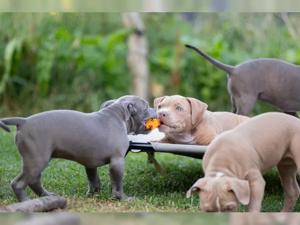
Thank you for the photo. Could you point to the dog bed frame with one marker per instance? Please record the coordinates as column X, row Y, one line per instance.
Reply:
column 194, row 151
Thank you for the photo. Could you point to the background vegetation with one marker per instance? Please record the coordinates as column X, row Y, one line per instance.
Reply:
column 77, row 60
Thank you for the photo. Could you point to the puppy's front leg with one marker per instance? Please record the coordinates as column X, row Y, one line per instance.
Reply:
column 257, row 189
column 116, row 171
column 288, row 176
column 94, row 181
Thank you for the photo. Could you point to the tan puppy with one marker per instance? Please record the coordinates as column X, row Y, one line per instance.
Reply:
column 235, row 160
column 187, row 120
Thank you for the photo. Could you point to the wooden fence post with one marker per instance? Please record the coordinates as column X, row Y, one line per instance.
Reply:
column 137, row 54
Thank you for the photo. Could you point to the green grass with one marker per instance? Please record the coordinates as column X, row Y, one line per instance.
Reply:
column 153, row 192
column 132, row 218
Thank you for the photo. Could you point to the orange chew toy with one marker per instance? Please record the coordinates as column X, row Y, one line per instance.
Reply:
column 152, row 123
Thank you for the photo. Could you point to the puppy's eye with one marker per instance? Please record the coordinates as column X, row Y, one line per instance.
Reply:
column 159, row 106
column 179, row 108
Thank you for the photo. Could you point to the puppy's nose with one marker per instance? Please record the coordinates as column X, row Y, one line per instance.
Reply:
column 162, row 114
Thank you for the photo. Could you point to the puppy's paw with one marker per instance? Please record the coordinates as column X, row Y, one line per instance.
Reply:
column 47, row 193
column 129, row 199
column 123, row 197
column 93, row 192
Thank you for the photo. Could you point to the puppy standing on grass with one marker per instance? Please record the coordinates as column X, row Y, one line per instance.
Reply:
column 91, row 139
column 235, row 161
column 186, row 120
column 271, row 80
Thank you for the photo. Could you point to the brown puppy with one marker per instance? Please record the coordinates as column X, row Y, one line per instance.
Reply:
column 187, row 121
column 235, row 160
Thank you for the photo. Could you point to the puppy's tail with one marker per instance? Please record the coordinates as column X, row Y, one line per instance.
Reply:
column 222, row 66
column 14, row 121
column 3, row 126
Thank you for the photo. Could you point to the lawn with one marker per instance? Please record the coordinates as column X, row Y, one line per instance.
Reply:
column 129, row 218
column 153, row 192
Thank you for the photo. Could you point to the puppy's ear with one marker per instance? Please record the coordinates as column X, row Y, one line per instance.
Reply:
column 157, row 101
column 131, row 108
column 196, row 187
column 197, row 110
column 241, row 189
column 107, row 103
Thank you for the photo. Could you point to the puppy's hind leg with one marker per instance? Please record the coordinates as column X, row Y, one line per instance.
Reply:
column 30, row 176
column 18, row 185
column 33, row 164
column 288, row 172
column 37, row 187
column 94, row 181
column 34, row 171
column 20, row 182
column 233, row 104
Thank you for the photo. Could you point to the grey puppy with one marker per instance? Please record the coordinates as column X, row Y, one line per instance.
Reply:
column 270, row 80
column 151, row 156
column 91, row 139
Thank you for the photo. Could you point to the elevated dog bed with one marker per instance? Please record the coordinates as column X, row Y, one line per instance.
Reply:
column 194, row 151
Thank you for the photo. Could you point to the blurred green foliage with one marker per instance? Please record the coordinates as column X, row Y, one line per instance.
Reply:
column 78, row 60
